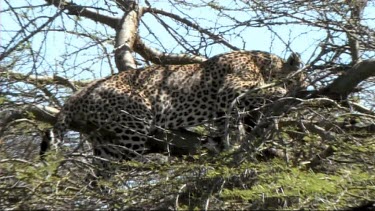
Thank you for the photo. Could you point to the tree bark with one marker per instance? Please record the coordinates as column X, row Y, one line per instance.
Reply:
column 158, row 57
column 40, row 113
column 347, row 82
column 356, row 11
column 41, row 80
column 126, row 34
column 138, row 45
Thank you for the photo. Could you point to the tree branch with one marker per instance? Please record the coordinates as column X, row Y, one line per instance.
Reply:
column 159, row 57
column 38, row 112
column 137, row 45
column 356, row 10
column 126, row 35
column 347, row 82
column 185, row 21
column 50, row 20
column 74, row 9
column 42, row 80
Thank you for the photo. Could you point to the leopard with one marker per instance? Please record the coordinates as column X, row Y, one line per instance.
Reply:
column 120, row 112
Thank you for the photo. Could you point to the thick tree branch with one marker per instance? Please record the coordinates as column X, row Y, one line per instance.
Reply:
column 74, row 9
column 126, row 35
column 136, row 43
column 347, row 82
column 159, row 57
column 37, row 112
column 42, row 80
column 356, row 11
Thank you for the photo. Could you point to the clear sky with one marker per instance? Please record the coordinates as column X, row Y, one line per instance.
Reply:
column 304, row 39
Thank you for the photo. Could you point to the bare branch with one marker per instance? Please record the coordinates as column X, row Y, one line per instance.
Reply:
column 361, row 109
column 126, row 35
column 211, row 35
column 74, row 9
column 159, row 57
column 42, row 80
column 18, row 160
column 50, row 20
column 146, row 52
column 356, row 10
column 38, row 112
column 347, row 82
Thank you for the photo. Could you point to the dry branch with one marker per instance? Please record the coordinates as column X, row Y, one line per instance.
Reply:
column 136, row 43
column 41, row 80
column 126, row 35
column 356, row 11
column 38, row 112
column 347, row 82
column 159, row 57
column 215, row 37
column 40, row 28
column 75, row 9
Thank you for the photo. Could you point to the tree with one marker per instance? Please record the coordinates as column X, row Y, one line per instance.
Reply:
column 333, row 118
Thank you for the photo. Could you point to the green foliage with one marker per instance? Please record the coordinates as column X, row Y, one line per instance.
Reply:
column 200, row 130
column 271, row 184
column 244, row 178
column 3, row 100
column 277, row 180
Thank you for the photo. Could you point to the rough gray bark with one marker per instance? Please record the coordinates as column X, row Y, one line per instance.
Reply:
column 158, row 57
column 356, row 13
column 41, row 80
column 125, row 40
column 36, row 112
column 126, row 35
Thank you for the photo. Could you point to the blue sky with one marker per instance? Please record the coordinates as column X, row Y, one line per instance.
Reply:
column 304, row 39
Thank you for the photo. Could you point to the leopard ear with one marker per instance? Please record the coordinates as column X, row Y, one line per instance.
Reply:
column 294, row 60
